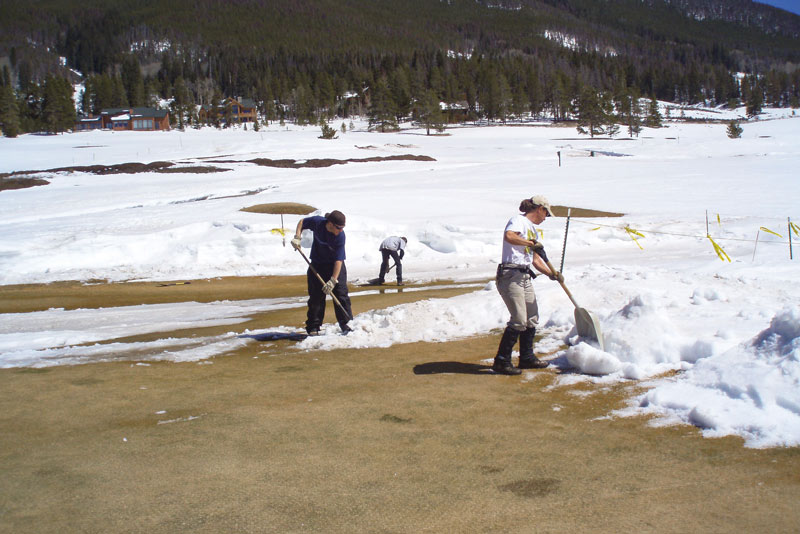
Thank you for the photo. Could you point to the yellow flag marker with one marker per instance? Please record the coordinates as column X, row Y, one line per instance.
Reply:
column 765, row 229
column 633, row 233
column 280, row 231
column 718, row 249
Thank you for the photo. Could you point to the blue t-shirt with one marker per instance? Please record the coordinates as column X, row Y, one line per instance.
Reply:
column 327, row 247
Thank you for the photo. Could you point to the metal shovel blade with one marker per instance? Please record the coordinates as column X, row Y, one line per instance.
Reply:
column 585, row 321
column 588, row 326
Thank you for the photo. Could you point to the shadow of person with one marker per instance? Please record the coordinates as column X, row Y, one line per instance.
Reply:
column 436, row 368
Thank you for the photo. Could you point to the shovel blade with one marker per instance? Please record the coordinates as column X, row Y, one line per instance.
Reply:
column 588, row 326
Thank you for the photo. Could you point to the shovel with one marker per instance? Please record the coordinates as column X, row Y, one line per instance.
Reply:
column 586, row 322
column 335, row 300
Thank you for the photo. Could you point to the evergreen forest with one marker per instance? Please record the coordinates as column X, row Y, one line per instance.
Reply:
column 597, row 62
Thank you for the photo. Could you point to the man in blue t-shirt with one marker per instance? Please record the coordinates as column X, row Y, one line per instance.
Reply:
column 327, row 258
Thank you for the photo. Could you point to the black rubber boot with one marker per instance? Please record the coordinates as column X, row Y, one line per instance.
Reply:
column 502, row 362
column 527, row 360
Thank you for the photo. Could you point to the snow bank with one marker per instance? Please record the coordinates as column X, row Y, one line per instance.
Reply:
column 751, row 391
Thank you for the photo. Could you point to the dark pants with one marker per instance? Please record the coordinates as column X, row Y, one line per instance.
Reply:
column 316, row 298
column 385, row 264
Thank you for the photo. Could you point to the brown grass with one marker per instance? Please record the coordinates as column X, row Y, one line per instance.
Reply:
column 561, row 211
column 413, row 438
column 281, row 208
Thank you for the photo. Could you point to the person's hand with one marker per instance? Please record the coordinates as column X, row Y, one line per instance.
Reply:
column 537, row 245
column 296, row 243
column 557, row 276
column 329, row 285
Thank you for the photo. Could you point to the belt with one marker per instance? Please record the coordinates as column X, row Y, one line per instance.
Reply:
column 525, row 269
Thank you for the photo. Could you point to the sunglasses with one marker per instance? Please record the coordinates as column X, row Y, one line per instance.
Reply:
column 338, row 227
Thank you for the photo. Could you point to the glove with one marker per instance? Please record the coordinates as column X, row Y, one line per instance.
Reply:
column 557, row 276
column 537, row 245
column 296, row 243
column 329, row 285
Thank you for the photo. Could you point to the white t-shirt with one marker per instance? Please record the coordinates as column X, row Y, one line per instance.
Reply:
column 516, row 253
column 393, row 243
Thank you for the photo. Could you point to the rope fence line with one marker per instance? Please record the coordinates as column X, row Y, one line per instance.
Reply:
column 635, row 233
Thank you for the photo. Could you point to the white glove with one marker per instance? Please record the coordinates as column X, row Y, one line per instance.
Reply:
column 537, row 245
column 329, row 285
column 296, row 243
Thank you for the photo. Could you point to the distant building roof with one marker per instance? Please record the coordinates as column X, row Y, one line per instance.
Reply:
column 116, row 113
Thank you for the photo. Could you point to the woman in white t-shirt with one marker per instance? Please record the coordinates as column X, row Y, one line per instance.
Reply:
column 521, row 249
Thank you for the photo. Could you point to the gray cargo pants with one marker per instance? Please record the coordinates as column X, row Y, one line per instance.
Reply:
column 515, row 285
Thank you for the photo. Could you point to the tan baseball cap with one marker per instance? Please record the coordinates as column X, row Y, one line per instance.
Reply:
column 541, row 200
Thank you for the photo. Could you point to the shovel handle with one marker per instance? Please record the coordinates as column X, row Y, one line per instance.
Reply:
column 553, row 269
column 313, row 270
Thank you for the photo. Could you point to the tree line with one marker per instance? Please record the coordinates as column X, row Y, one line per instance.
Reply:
column 389, row 88
column 387, row 60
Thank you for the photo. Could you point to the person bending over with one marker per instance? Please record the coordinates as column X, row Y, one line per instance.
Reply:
column 327, row 258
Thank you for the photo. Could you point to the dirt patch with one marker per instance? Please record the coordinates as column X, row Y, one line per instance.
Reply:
column 281, row 208
column 561, row 211
column 73, row 295
column 324, row 162
column 121, row 168
column 195, row 169
column 7, row 184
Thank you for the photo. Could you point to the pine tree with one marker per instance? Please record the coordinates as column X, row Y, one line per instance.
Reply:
column 119, row 98
column 328, row 132
column 382, row 112
column 9, row 111
column 182, row 103
column 132, row 81
column 58, row 108
column 755, row 98
column 595, row 113
column 429, row 112
column 653, row 119
column 631, row 112
column 734, row 130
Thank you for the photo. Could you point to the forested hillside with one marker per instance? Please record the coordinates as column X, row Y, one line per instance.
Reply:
column 312, row 60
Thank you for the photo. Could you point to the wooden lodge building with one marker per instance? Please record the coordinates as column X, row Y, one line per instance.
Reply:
column 121, row 119
column 240, row 110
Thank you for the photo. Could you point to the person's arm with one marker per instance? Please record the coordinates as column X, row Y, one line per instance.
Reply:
column 297, row 232
column 515, row 238
column 542, row 267
column 337, row 268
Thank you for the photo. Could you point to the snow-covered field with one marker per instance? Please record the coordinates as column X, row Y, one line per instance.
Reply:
column 665, row 298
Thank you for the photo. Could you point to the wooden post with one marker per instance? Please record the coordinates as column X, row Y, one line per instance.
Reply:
column 754, row 247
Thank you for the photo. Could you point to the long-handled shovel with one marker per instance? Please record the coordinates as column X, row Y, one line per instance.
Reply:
column 586, row 322
column 321, row 281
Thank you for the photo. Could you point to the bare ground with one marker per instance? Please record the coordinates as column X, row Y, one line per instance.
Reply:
column 414, row 438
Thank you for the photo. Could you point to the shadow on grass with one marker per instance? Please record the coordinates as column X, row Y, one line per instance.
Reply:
column 437, row 368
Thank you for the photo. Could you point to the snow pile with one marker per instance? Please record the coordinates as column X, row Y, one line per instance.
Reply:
column 631, row 348
column 432, row 320
column 752, row 390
